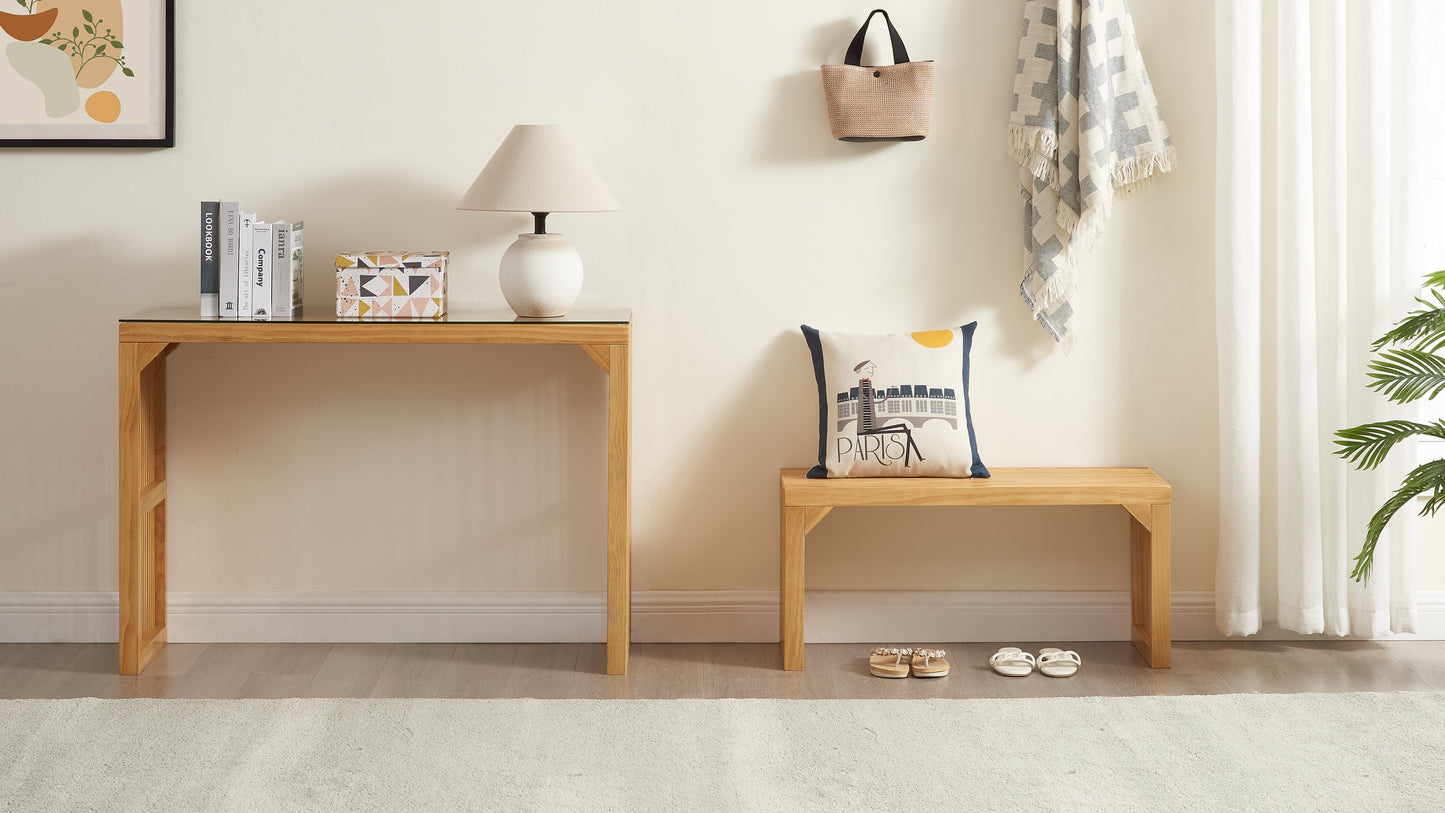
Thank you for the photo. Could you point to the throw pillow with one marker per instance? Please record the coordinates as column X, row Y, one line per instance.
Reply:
column 894, row 404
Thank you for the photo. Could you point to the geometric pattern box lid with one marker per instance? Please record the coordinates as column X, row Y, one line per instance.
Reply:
column 383, row 284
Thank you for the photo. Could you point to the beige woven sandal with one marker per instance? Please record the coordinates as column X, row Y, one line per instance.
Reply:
column 929, row 663
column 887, row 662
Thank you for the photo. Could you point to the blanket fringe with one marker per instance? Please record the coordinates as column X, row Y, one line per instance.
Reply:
column 1055, row 291
column 1085, row 230
column 1139, row 170
column 1036, row 150
column 1067, row 343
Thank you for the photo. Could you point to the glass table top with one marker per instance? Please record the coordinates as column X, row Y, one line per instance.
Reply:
column 474, row 316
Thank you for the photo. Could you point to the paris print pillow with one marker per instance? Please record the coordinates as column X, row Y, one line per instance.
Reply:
column 894, row 405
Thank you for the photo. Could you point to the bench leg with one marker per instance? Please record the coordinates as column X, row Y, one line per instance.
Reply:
column 1149, row 587
column 790, row 590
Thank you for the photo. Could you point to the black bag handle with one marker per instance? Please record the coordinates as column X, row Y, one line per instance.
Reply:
column 855, row 48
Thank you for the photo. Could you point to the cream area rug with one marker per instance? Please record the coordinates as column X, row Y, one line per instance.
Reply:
column 1231, row 752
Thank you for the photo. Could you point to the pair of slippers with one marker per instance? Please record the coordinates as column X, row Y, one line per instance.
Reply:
column 899, row 662
column 1052, row 661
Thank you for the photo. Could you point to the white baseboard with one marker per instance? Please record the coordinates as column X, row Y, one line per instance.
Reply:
column 868, row 616
column 38, row 618
column 657, row 616
column 685, row 616
column 401, row 617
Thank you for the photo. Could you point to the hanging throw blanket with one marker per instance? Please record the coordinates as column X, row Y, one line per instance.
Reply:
column 1085, row 128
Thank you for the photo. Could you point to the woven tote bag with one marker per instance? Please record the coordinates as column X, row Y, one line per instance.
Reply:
column 878, row 103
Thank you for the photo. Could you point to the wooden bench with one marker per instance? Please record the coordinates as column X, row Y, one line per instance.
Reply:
column 1140, row 491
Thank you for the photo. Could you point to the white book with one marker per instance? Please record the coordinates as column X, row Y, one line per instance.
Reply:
column 280, row 277
column 261, row 282
column 230, row 258
column 298, row 261
column 246, row 239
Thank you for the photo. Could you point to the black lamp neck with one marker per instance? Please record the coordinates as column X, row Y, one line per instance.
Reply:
column 539, row 222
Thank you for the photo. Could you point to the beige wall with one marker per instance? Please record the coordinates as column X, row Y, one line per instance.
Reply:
column 445, row 468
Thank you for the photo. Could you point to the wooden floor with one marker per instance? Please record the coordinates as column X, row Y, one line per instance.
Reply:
column 697, row 670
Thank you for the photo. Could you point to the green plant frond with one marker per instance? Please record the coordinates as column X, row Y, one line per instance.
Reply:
column 1423, row 329
column 1432, row 333
column 1435, row 279
column 1405, row 375
column 1435, row 503
column 1429, row 343
column 1426, row 477
column 1366, row 445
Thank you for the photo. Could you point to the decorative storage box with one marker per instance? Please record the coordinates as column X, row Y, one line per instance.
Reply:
column 382, row 284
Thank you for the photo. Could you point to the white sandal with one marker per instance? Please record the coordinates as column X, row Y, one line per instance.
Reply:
column 1012, row 662
column 1056, row 662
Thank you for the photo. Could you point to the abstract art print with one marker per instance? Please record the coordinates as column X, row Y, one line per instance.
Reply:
column 87, row 73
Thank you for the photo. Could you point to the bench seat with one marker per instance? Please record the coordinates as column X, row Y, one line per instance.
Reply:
column 1140, row 491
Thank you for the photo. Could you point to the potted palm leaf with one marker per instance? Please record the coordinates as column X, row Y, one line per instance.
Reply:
column 1410, row 370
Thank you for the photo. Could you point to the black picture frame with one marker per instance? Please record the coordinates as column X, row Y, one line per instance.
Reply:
column 167, row 137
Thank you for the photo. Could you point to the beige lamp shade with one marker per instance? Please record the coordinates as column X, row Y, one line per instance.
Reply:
column 539, row 168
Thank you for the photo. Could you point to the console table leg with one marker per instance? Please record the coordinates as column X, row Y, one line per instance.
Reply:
column 619, row 508
column 1149, row 587
column 790, row 592
column 142, row 481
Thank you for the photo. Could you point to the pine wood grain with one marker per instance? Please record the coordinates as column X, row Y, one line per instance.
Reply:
column 143, row 490
column 1149, row 589
column 142, row 487
column 1008, row 486
column 600, row 353
column 1140, row 491
column 619, row 509
column 375, row 332
column 790, row 586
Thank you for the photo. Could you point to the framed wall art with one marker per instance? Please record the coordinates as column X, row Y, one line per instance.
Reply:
column 87, row 73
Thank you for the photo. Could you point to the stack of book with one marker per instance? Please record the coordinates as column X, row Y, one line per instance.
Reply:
column 250, row 269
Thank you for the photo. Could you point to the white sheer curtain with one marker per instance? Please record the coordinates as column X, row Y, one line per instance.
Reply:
column 1324, row 110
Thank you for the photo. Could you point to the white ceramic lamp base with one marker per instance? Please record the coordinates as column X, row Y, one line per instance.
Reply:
column 541, row 275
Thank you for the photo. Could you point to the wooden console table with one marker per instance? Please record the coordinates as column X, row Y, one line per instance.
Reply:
column 148, row 337
column 1144, row 494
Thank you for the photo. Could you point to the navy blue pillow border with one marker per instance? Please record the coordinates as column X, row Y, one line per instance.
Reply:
column 815, row 348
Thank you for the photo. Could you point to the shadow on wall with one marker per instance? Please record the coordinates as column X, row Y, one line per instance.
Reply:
column 796, row 126
column 58, row 500
column 961, row 259
column 392, row 212
column 423, row 467
column 967, row 188
column 516, row 497
column 977, row 210
column 58, row 467
column 745, row 445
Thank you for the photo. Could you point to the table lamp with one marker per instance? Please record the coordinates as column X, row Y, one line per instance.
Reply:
column 539, row 168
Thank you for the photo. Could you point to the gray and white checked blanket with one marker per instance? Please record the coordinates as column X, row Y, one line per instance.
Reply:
column 1085, row 129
